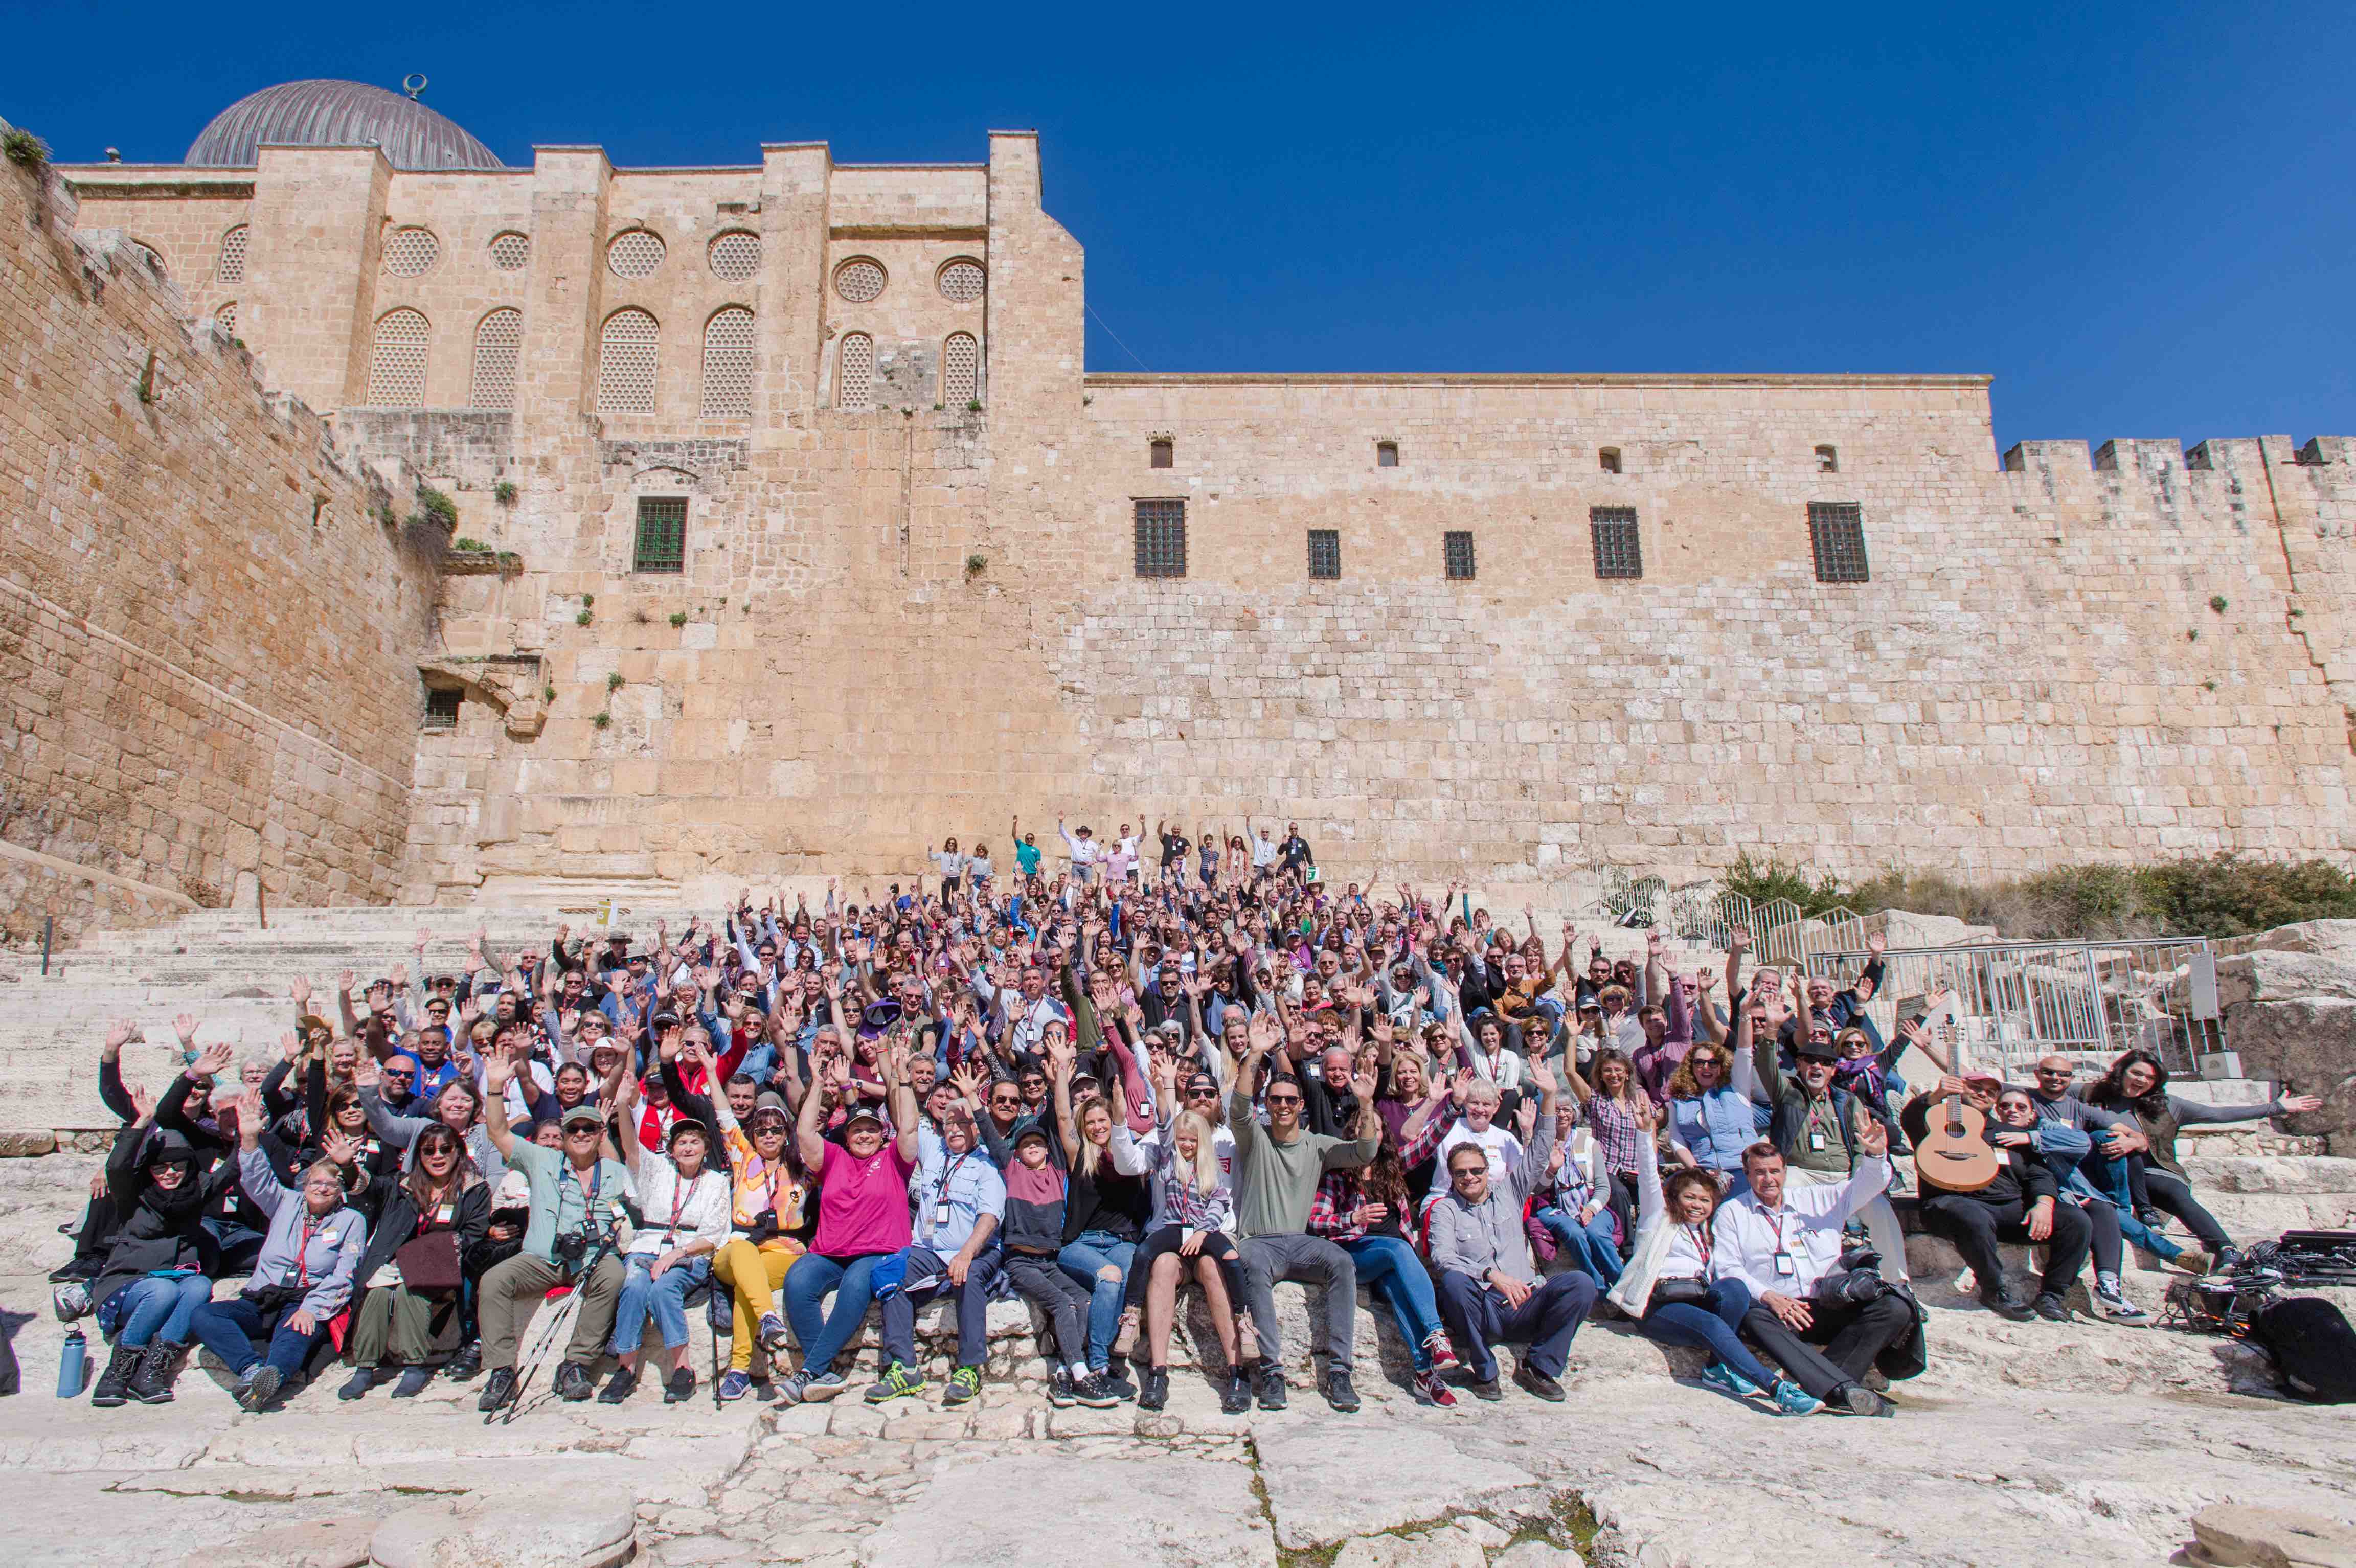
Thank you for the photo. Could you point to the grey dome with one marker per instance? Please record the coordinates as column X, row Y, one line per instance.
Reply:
column 338, row 113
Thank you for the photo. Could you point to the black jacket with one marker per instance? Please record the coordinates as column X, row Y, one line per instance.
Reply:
column 2021, row 1178
column 160, row 1230
column 394, row 1220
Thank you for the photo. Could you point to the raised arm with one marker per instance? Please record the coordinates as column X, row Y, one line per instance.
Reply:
column 497, row 1073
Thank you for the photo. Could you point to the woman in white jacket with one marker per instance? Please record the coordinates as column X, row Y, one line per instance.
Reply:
column 1192, row 1226
column 1675, row 1294
column 687, row 1205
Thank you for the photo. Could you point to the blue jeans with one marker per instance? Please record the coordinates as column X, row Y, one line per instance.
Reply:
column 666, row 1299
column 230, row 1329
column 1589, row 1247
column 1085, row 1261
column 823, row 1335
column 1391, row 1266
column 147, row 1307
column 1710, row 1325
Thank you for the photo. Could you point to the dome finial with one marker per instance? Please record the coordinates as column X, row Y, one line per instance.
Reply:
column 412, row 84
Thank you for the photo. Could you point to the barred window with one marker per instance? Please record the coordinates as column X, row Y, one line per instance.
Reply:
column 442, row 706
column 963, row 280
column 634, row 253
column 626, row 364
column 231, row 267
column 859, row 280
column 498, row 338
column 728, row 364
column 854, row 375
column 1837, row 533
column 509, row 251
column 397, row 364
column 735, row 255
column 1324, row 552
column 1456, row 548
column 1162, row 539
column 1619, row 553
column 411, row 252
column 960, row 369
column 662, row 534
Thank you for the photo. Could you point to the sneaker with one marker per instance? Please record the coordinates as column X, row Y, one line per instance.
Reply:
column 1487, row 1389
column 1442, row 1353
column 1235, row 1394
column 498, row 1391
column 619, row 1387
column 1095, row 1392
column 2006, row 1304
column 257, row 1391
column 467, row 1362
column 1432, row 1389
column 1154, row 1393
column 2153, row 1220
column 1116, row 1377
column 2225, row 1259
column 1059, row 1388
column 1537, row 1384
column 734, row 1385
column 899, row 1381
column 1268, row 1383
column 2119, row 1309
column 1719, row 1375
column 772, row 1333
column 573, row 1382
column 965, row 1386
column 679, row 1387
column 362, row 1380
column 413, row 1382
column 69, row 1299
column 2050, row 1307
column 822, row 1385
column 1791, row 1399
column 1338, row 1392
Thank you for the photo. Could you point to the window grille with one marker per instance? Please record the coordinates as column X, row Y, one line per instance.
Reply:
column 662, row 534
column 442, row 706
column 226, row 313
column 960, row 369
column 1837, row 533
column 728, row 364
column 1387, row 454
column 626, row 364
column 411, row 252
column 397, row 364
column 854, row 380
column 1828, row 460
column 509, row 251
column 634, row 254
column 1456, row 547
column 1161, row 455
column 1162, row 539
column 859, row 280
column 963, row 281
column 231, row 267
column 1619, row 551
column 735, row 255
column 1324, row 552
column 498, row 338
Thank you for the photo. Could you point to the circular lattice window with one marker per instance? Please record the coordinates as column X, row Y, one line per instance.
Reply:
column 636, row 254
column 735, row 255
column 411, row 252
column 962, row 281
column 859, row 281
column 231, row 268
column 509, row 251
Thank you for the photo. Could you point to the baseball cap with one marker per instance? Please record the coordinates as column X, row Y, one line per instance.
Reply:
column 581, row 1113
column 1031, row 1130
column 864, row 1113
column 1818, row 1048
column 686, row 1124
column 1981, row 1075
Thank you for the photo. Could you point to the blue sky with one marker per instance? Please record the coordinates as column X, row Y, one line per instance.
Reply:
column 2135, row 216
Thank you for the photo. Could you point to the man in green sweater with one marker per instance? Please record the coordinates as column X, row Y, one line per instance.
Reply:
column 1278, row 1167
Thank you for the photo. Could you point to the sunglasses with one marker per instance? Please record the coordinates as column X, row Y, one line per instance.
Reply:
column 1202, row 1090
column 1284, row 1100
column 2055, row 1073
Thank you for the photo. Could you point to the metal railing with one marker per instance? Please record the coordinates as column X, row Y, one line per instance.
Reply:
column 2016, row 1001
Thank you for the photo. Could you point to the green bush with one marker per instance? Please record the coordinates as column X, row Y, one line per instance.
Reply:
column 462, row 542
column 1763, row 881
column 24, row 148
column 504, row 492
column 438, row 506
column 2217, row 895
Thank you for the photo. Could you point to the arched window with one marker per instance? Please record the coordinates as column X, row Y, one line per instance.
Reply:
column 728, row 363
column 626, row 364
column 225, row 313
column 960, row 369
column 231, row 269
column 397, row 365
column 854, row 377
column 499, row 338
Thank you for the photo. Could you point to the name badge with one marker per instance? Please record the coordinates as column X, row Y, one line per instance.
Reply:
column 1815, row 1140
column 941, row 1212
column 446, row 1214
column 1783, row 1264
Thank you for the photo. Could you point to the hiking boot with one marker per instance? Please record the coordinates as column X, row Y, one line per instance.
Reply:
column 573, row 1382
column 2006, row 1304
column 1235, row 1394
column 259, row 1387
column 619, row 1387
column 1791, row 1399
column 1432, row 1389
column 965, row 1386
column 1268, row 1383
column 413, row 1382
column 1535, row 1382
column 1095, row 1392
column 362, row 1380
column 1338, row 1392
column 679, row 1387
column 114, row 1385
column 159, row 1363
column 498, row 1390
column 899, row 1381
column 1154, row 1393
column 734, row 1385
column 2050, row 1307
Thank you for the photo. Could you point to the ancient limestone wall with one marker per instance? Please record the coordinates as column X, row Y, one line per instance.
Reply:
column 207, row 635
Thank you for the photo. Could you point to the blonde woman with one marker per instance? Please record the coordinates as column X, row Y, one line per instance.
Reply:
column 1193, row 1216
column 1106, row 1209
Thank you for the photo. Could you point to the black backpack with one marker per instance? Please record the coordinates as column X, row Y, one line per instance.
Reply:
column 2312, row 1346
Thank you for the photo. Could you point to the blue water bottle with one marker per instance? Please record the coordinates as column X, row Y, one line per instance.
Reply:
column 73, row 1366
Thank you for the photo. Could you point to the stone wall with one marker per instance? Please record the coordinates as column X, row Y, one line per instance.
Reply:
column 207, row 635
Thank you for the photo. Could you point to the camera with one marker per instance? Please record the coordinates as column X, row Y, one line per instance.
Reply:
column 1857, row 1281
column 571, row 1248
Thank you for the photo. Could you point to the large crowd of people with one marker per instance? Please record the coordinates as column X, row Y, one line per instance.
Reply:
column 1177, row 1064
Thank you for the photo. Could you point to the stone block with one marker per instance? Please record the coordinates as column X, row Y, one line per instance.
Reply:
column 2241, row 1535
column 337, row 1543
column 576, row 1527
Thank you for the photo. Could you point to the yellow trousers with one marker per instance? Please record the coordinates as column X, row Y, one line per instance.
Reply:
column 753, row 1275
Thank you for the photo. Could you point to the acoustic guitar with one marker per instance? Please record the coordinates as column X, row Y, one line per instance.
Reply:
column 1954, row 1152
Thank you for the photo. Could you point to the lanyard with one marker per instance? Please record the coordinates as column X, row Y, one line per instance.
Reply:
column 588, row 1204
column 302, row 1256
column 1699, row 1236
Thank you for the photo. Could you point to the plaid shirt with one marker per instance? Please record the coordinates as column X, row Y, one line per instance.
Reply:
column 1338, row 1194
column 1625, row 1142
